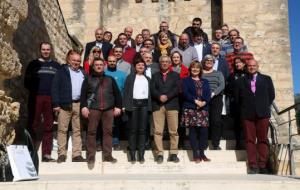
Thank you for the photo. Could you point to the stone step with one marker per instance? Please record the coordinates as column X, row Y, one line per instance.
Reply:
column 156, row 181
column 224, row 144
column 231, row 162
column 145, row 168
column 184, row 155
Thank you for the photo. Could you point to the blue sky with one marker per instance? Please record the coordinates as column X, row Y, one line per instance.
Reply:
column 294, row 19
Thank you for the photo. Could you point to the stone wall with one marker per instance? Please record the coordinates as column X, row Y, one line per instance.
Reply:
column 11, row 12
column 82, row 17
column 39, row 21
column 115, row 15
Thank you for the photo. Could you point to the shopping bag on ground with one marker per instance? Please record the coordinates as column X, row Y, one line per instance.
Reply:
column 21, row 163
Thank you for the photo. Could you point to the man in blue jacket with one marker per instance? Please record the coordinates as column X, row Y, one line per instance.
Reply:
column 66, row 91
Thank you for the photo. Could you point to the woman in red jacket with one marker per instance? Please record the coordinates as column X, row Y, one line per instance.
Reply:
column 177, row 65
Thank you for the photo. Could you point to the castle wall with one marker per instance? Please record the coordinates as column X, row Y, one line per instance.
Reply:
column 24, row 24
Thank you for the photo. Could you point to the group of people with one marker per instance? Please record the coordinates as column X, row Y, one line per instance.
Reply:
column 151, row 82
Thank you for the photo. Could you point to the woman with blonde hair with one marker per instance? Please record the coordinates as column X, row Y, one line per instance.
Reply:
column 95, row 52
column 164, row 45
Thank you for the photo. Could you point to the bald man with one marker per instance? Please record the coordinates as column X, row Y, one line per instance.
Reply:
column 105, row 46
column 188, row 52
column 130, row 41
column 255, row 93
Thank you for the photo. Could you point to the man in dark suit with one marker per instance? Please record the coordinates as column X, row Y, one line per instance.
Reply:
column 130, row 41
column 255, row 94
column 164, row 91
column 202, row 47
column 105, row 46
column 220, row 62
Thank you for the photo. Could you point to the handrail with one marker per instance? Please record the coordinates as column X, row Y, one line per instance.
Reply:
column 290, row 147
column 286, row 109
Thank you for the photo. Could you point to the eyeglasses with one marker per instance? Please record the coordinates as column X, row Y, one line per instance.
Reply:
column 148, row 44
column 96, row 51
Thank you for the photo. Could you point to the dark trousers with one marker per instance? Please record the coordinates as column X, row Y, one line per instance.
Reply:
column 137, row 125
column 116, row 130
column 256, row 136
column 198, row 139
column 41, row 107
column 215, row 120
column 107, row 121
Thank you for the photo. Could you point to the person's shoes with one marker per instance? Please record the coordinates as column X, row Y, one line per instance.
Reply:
column 61, row 158
column 109, row 159
column 132, row 156
column 99, row 147
column 91, row 164
column 159, row 159
column 117, row 147
column 47, row 158
column 141, row 157
column 205, row 159
column 263, row 171
column 197, row 160
column 78, row 159
column 173, row 158
column 253, row 170
column 216, row 148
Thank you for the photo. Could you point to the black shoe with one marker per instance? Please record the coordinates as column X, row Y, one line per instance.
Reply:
column 132, row 156
column 47, row 158
column 109, row 159
column 141, row 156
column 61, row 158
column 159, row 159
column 173, row 158
column 78, row 159
column 263, row 171
column 253, row 170
column 117, row 147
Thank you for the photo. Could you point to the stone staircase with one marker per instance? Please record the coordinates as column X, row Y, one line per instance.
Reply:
column 227, row 170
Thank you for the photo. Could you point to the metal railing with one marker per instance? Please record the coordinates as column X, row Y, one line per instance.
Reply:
column 290, row 146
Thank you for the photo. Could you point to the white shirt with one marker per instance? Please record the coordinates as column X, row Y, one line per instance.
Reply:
column 216, row 64
column 99, row 44
column 140, row 87
column 148, row 72
column 199, row 49
column 77, row 78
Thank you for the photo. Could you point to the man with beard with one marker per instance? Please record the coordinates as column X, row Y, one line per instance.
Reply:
column 188, row 52
column 120, row 78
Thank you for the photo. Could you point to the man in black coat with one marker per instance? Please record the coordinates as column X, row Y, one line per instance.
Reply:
column 105, row 46
column 196, row 24
column 164, row 91
column 255, row 94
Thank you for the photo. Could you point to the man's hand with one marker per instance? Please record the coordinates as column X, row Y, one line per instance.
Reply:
column 56, row 109
column 163, row 98
column 117, row 111
column 85, row 112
